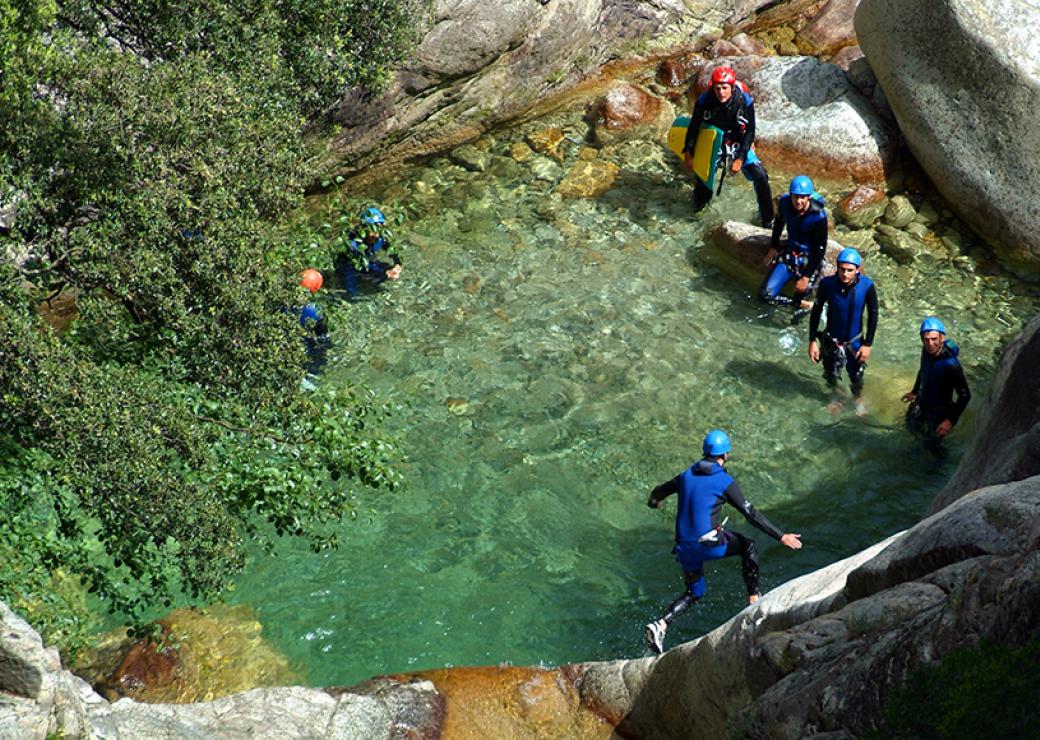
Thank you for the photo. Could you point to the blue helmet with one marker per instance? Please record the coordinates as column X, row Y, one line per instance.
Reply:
column 802, row 185
column 309, row 312
column 717, row 443
column 851, row 256
column 373, row 216
column 932, row 324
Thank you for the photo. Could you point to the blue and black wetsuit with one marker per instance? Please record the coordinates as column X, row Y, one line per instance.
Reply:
column 802, row 255
column 374, row 270
column 845, row 332
column 699, row 534
column 736, row 119
column 939, row 378
column 317, row 339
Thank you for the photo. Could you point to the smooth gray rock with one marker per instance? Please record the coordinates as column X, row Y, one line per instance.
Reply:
column 23, row 660
column 991, row 521
column 480, row 65
column 937, row 62
column 899, row 211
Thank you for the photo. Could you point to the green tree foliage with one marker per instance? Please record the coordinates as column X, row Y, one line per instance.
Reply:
column 154, row 152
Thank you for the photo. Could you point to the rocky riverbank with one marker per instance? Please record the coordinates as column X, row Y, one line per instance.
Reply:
column 818, row 655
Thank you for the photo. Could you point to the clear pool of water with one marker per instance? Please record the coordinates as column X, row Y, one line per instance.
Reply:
column 555, row 358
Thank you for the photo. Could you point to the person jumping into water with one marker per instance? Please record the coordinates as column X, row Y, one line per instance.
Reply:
column 699, row 535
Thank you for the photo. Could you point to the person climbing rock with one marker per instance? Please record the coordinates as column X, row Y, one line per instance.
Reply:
column 933, row 412
column 368, row 239
column 729, row 107
column 846, row 342
column 800, row 257
column 699, row 535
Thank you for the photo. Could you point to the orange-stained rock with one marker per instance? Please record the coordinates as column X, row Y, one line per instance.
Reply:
column 216, row 651
column 588, row 179
column 145, row 665
column 510, row 702
column 722, row 48
column 547, row 141
column 862, row 207
column 630, row 112
column 671, row 73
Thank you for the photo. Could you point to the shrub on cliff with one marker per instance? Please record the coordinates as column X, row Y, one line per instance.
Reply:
column 986, row 691
column 154, row 152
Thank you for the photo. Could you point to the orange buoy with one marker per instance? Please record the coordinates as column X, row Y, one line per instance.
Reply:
column 311, row 280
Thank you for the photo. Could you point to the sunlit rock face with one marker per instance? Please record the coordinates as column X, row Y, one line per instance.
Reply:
column 479, row 65
column 963, row 80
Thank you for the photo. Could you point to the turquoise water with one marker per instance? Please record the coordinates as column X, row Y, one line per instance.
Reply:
column 553, row 359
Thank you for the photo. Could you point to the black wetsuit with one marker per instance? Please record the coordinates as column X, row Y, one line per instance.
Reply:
column 736, row 119
column 939, row 378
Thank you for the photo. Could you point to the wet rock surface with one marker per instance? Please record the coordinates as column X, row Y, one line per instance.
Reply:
column 630, row 112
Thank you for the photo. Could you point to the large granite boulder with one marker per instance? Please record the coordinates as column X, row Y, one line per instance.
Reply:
column 482, row 64
column 479, row 65
column 812, row 120
column 963, row 80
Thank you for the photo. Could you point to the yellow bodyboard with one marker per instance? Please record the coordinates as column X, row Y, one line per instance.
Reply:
column 706, row 154
column 677, row 134
column 705, row 151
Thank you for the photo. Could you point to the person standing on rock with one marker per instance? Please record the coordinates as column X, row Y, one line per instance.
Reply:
column 846, row 342
column 800, row 257
column 933, row 412
column 729, row 107
column 699, row 534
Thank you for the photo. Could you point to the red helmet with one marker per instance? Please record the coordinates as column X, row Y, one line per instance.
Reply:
column 724, row 75
column 311, row 280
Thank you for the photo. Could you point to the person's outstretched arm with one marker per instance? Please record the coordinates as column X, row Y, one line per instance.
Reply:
column 662, row 492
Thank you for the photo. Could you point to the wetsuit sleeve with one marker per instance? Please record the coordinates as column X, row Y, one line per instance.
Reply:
column 778, row 229
column 695, row 125
column 872, row 316
column 394, row 256
column 818, row 247
column 817, row 312
column 663, row 491
column 735, row 498
column 749, row 130
column 960, row 386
